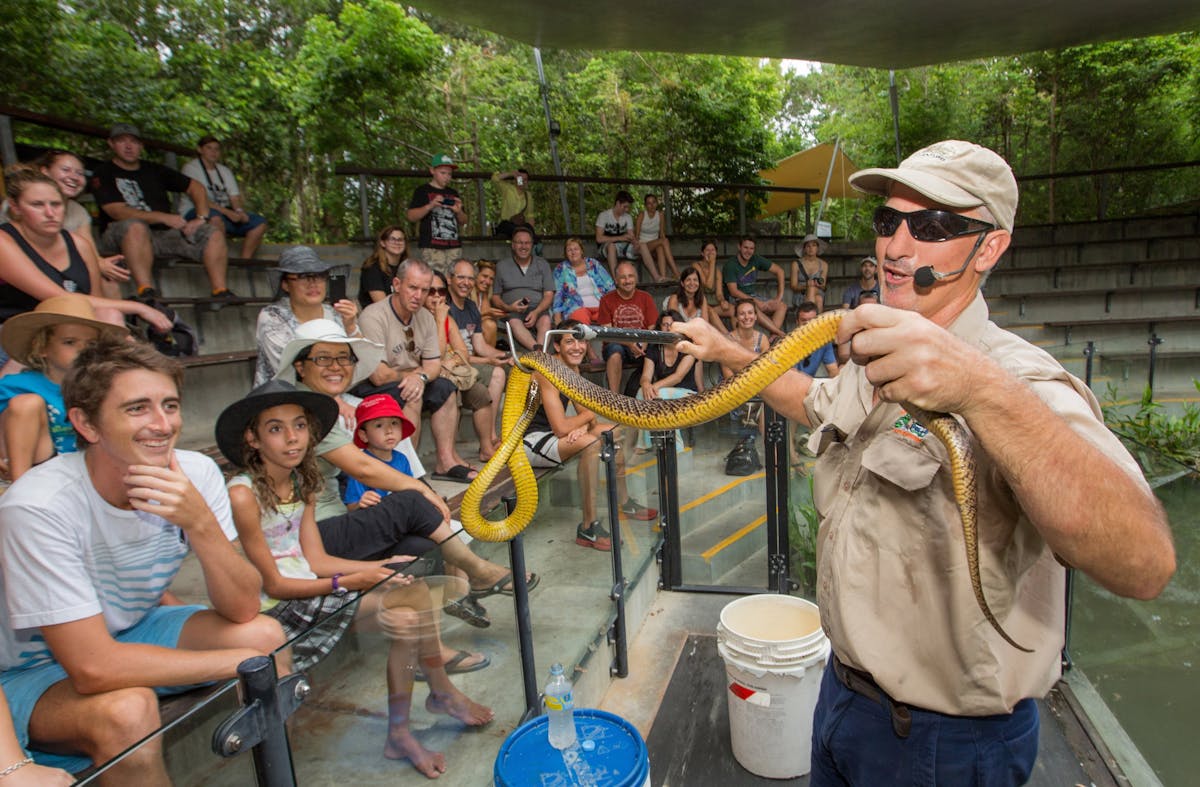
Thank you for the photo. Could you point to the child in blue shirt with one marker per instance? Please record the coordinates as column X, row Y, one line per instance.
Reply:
column 381, row 426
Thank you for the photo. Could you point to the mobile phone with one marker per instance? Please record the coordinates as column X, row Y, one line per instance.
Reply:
column 337, row 288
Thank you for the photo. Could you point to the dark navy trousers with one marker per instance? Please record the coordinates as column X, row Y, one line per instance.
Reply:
column 854, row 743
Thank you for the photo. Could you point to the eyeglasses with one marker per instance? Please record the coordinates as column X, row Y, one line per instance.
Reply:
column 441, row 291
column 410, row 345
column 307, row 278
column 464, row 277
column 930, row 226
column 325, row 361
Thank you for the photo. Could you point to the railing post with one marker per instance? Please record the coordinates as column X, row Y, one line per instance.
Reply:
column 776, row 451
column 583, row 224
column 1153, row 341
column 364, row 211
column 8, row 148
column 668, row 510
column 666, row 209
column 268, row 703
column 481, row 198
column 1089, row 354
column 516, row 559
column 741, row 211
column 616, row 634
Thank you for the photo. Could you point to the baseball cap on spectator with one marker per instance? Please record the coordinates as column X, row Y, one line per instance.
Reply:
column 124, row 129
column 442, row 160
column 380, row 406
column 954, row 173
column 300, row 259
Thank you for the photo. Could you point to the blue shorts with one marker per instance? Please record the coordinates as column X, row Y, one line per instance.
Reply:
column 233, row 229
column 625, row 351
column 24, row 687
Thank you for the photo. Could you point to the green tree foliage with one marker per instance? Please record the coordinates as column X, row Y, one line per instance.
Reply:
column 296, row 87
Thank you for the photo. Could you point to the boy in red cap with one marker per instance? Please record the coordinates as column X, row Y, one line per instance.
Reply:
column 381, row 427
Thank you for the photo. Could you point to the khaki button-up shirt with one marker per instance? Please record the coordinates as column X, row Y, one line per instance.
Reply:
column 893, row 585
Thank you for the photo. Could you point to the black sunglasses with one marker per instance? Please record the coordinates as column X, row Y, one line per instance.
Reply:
column 442, row 291
column 929, row 225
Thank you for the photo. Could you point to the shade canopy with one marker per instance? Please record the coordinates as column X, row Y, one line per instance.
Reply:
column 874, row 33
column 808, row 169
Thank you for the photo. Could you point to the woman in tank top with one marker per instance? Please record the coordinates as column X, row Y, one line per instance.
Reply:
column 653, row 243
column 39, row 259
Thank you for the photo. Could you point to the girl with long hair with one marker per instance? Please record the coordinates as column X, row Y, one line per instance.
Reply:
column 378, row 270
column 271, row 435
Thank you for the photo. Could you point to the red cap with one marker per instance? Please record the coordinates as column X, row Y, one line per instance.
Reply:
column 380, row 406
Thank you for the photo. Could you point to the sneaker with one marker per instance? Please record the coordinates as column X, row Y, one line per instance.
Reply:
column 632, row 509
column 146, row 295
column 594, row 536
column 220, row 298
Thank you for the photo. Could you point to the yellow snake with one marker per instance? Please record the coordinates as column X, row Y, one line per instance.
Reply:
column 522, row 398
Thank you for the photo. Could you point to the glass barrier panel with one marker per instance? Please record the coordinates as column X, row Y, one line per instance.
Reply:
column 403, row 691
column 722, row 503
column 183, row 746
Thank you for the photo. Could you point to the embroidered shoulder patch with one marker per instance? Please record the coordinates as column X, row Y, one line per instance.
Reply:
column 907, row 426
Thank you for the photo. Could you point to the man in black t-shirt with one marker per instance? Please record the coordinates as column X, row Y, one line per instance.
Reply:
column 439, row 210
column 136, row 219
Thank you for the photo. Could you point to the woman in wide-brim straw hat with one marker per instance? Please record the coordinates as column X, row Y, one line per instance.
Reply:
column 33, row 420
column 810, row 273
column 301, row 283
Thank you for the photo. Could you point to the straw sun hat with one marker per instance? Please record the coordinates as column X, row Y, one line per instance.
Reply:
column 72, row 308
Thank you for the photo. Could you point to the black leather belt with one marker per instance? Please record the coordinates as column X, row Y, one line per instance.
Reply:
column 862, row 683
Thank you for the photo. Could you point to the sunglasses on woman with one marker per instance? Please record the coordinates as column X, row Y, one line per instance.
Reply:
column 440, row 291
column 929, row 225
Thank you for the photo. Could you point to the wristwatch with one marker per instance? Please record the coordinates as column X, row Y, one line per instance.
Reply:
column 338, row 590
column 424, row 377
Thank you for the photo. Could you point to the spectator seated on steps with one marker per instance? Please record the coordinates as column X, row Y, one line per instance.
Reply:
column 136, row 218
column 226, row 202
column 301, row 283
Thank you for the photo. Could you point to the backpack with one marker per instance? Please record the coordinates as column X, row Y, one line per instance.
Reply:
column 743, row 459
column 179, row 341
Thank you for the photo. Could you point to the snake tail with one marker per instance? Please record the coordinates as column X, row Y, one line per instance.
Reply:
column 958, row 444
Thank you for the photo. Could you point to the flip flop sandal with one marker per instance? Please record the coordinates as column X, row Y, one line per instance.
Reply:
column 470, row 611
column 460, row 474
column 500, row 587
column 453, row 667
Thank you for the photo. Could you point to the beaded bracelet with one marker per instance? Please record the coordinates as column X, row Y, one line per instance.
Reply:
column 16, row 766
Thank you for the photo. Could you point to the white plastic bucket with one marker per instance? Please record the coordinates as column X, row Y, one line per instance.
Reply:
column 774, row 652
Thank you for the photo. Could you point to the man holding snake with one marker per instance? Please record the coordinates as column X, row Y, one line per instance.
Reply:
column 920, row 689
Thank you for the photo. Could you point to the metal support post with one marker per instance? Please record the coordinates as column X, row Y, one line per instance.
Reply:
column 363, row 208
column 553, row 130
column 616, row 634
column 666, row 209
column 1089, row 355
column 1067, row 662
column 668, row 510
column 776, row 451
column 516, row 559
column 741, row 211
column 260, row 723
column 1153, row 341
column 583, row 225
column 8, row 147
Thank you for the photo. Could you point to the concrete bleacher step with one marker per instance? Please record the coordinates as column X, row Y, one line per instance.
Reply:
column 713, row 548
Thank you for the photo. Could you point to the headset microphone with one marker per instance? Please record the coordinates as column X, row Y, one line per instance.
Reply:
column 926, row 276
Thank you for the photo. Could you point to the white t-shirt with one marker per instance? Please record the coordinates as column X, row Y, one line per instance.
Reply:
column 221, row 185
column 66, row 554
column 612, row 226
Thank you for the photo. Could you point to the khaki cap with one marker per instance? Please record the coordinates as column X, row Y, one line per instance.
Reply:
column 954, row 173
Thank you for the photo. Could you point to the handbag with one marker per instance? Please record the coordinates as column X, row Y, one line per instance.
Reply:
column 458, row 370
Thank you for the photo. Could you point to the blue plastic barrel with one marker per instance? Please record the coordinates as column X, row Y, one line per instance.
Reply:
column 609, row 753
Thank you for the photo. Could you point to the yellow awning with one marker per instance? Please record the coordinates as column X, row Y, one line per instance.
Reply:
column 808, row 169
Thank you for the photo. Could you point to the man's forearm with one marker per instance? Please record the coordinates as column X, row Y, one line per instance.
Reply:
column 1092, row 513
column 233, row 584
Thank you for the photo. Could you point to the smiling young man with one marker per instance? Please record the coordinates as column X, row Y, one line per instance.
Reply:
column 89, row 544
column 920, row 689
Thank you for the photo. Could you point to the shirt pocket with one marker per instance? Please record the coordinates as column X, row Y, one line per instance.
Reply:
column 901, row 462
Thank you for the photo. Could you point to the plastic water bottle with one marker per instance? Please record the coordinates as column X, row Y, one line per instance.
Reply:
column 560, row 709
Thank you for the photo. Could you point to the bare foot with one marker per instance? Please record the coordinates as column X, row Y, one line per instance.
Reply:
column 401, row 745
column 460, row 706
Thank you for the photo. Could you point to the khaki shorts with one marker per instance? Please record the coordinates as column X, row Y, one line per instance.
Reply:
column 441, row 260
column 165, row 242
